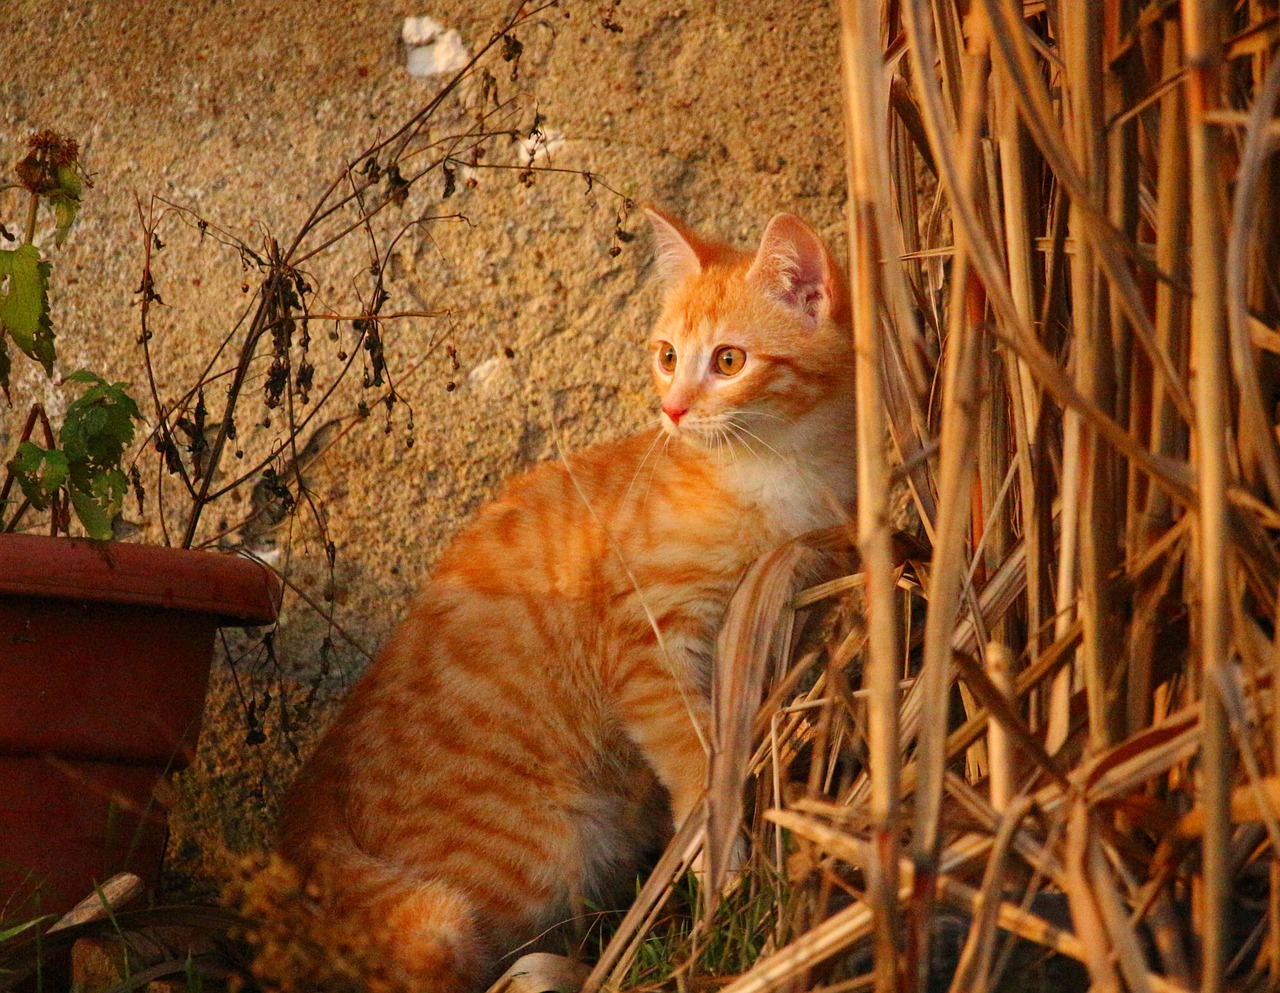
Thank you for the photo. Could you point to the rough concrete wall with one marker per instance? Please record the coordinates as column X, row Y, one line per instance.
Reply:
column 723, row 113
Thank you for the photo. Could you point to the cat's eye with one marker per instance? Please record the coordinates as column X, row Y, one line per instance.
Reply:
column 666, row 356
column 728, row 361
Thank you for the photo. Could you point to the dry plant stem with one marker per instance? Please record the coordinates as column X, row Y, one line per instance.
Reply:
column 34, row 417
column 999, row 752
column 1024, row 393
column 842, row 929
column 1100, row 542
column 1164, row 472
column 866, row 163
column 1203, row 54
column 743, row 647
column 1001, row 708
column 402, row 136
column 1039, row 854
column 1152, row 510
column 1254, row 420
column 1273, row 902
column 960, row 400
column 144, row 312
column 1009, row 31
column 959, row 425
column 1017, row 238
column 1086, row 919
column 1122, row 84
column 259, row 326
column 1051, row 659
column 1115, row 915
column 282, row 267
column 973, row 973
column 1172, row 476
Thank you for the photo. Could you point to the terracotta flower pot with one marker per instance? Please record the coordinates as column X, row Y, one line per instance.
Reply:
column 104, row 659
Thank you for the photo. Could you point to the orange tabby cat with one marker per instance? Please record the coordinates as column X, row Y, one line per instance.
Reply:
column 492, row 768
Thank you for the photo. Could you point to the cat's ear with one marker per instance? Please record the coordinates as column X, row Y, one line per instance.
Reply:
column 793, row 266
column 681, row 253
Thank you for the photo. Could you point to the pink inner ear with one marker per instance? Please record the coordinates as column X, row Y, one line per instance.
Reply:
column 805, row 293
column 792, row 262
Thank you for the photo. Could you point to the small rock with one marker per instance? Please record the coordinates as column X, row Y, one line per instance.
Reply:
column 495, row 379
column 432, row 49
column 420, row 31
column 483, row 371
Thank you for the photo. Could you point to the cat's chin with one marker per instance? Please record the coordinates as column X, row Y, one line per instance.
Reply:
column 710, row 442
column 690, row 436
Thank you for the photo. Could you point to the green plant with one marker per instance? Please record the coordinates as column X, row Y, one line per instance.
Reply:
column 82, row 468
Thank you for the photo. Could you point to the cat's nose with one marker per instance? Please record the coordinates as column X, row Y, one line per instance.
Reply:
column 675, row 413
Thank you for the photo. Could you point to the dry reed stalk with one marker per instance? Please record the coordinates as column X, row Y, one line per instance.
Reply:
column 1094, row 370
column 676, row 859
column 1203, row 53
column 974, row 966
column 867, row 166
column 959, row 427
column 853, row 921
column 999, row 748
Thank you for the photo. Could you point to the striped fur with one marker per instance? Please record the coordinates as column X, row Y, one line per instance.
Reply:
column 497, row 766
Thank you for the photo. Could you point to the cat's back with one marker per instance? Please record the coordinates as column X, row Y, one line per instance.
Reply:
column 574, row 528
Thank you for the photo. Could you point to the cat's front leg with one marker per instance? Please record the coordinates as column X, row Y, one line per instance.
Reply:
column 670, row 722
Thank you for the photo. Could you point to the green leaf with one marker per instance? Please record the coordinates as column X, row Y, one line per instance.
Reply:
column 24, row 303
column 66, row 200
column 96, row 430
column 96, row 506
column 69, row 182
column 17, row 929
column 64, row 212
column 41, row 472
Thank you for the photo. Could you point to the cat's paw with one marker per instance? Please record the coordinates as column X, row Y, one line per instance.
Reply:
column 542, row 973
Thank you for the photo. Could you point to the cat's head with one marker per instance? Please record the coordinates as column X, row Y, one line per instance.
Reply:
column 751, row 348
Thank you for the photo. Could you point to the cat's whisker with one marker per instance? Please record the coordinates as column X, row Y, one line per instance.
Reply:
column 723, row 440
column 648, row 451
column 743, row 427
column 761, row 413
column 734, row 430
column 728, row 441
column 737, row 433
column 666, row 443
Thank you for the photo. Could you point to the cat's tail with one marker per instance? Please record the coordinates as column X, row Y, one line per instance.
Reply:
column 433, row 937
column 350, row 921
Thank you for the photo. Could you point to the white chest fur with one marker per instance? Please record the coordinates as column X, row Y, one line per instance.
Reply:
column 794, row 496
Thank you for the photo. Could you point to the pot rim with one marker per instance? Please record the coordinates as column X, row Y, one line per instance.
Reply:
column 242, row 592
